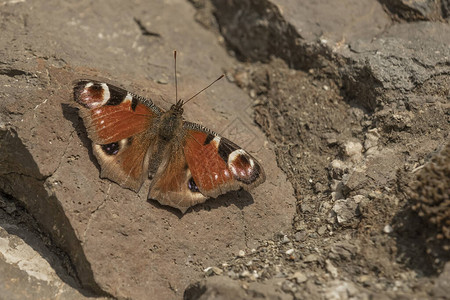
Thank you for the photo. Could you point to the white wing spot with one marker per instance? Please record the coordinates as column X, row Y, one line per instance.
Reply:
column 231, row 162
column 106, row 93
column 216, row 141
column 128, row 98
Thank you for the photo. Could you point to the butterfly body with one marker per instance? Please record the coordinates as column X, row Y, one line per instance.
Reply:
column 133, row 139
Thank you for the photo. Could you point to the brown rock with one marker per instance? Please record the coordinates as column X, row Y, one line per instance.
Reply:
column 118, row 241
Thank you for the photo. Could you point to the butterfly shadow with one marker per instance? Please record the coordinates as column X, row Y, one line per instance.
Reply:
column 71, row 113
column 240, row 199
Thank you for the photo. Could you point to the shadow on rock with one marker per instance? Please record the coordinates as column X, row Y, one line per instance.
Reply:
column 71, row 114
column 21, row 179
column 240, row 199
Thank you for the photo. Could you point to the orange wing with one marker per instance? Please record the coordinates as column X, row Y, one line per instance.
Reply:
column 205, row 165
column 118, row 123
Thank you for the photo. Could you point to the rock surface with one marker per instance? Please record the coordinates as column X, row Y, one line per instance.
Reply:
column 353, row 98
column 118, row 242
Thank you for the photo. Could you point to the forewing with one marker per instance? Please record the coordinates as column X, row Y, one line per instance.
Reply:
column 119, row 125
column 217, row 165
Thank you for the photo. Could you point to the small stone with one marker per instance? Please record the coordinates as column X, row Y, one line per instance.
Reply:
column 290, row 251
column 229, row 76
column 365, row 279
column 288, row 287
column 388, row 229
column 331, row 268
column 353, row 150
column 322, row 230
column 209, row 271
column 241, row 253
column 299, row 277
column 311, row 258
column 245, row 274
column 346, row 211
column 241, row 79
column 285, row 239
column 233, row 275
column 326, row 87
column 163, row 80
column 300, row 236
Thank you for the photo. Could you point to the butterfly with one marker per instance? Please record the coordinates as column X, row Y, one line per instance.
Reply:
column 133, row 139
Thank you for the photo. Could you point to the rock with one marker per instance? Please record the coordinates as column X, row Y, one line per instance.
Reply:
column 331, row 268
column 343, row 250
column 311, row 258
column 215, row 288
column 337, row 290
column 338, row 168
column 222, row 288
column 346, row 212
column 322, row 230
column 213, row 271
column 285, row 239
column 371, row 141
column 353, row 150
column 290, row 251
column 111, row 233
column 388, row 229
column 441, row 287
column 299, row 277
column 300, row 236
column 29, row 269
column 416, row 9
column 289, row 287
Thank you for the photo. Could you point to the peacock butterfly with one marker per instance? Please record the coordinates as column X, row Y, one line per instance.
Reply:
column 133, row 139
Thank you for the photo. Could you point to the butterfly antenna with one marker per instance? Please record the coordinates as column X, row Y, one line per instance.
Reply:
column 176, row 81
column 220, row 77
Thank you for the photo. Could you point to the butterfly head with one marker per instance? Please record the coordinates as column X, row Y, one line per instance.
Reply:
column 177, row 109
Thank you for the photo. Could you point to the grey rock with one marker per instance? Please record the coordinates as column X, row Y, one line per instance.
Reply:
column 346, row 211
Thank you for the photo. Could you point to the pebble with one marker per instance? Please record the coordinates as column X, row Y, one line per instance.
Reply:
column 353, row 150
column 311, row 258
column 299, row 277
column 162, row 80
column 285, row 239
column 346, row 211
column 241, row 253
column 300, row 236
column 288, row 287
column 322, row 230
column 331, row 268
column 388, row 229
column 290, row 251
column 209, row 271
column 245, row 274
